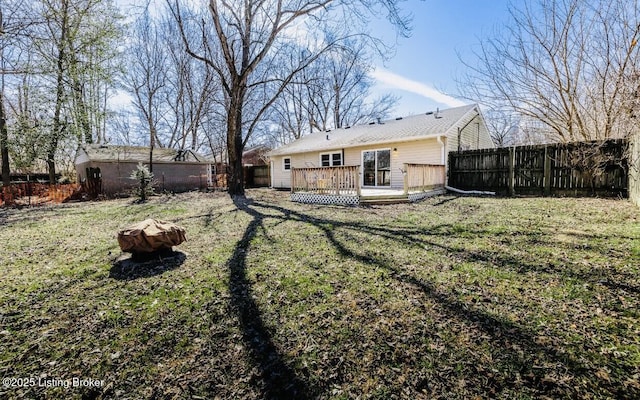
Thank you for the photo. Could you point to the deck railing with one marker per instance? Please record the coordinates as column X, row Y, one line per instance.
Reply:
column 343, row 180
column 423, row 177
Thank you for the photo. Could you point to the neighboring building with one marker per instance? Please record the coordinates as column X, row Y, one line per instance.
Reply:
column 107, row 169
column 256, row 167
column 382, row 150
column 256, row 156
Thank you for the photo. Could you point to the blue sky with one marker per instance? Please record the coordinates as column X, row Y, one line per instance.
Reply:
column 426, row 64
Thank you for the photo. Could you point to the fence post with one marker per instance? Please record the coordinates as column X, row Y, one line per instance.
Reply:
column 547, row 171
column 633, row 160
column 512, row 171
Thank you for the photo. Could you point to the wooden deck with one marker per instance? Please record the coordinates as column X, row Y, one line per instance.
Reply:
column 341, row 185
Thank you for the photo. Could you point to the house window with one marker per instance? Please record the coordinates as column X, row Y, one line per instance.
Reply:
column 286, row 163
column 376, row 166
column 336, row 159
column 325, row 160
column 331, row 159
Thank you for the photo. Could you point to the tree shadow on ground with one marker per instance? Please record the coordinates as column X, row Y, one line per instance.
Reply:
column 500, row 333
column 137, row 266
column 277, row 379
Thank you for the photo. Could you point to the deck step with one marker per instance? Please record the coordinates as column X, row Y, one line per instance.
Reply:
column 390, row 199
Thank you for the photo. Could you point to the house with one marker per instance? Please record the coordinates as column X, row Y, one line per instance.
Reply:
column 106, row 169
column 255, row 156
column 405, row 154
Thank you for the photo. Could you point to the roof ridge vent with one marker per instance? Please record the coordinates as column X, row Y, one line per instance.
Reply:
column 398, row 118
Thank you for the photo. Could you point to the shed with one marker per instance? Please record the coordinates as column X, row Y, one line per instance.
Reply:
column 106, row 169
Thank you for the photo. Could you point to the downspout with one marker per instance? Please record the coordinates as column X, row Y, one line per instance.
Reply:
column 442, row 151
column 272, row 176
column 443, row 160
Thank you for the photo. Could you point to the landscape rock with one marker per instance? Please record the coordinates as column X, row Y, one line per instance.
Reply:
column 150, row 235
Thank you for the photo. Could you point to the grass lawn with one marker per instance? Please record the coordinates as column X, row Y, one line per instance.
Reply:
column 453, row 297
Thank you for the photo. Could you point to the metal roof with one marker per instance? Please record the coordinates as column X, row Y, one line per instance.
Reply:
column 413, row 127
column 100, row 152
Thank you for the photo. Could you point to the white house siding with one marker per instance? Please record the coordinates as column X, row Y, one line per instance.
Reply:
column 474, row 136
column 427, row 151
column 281, row 178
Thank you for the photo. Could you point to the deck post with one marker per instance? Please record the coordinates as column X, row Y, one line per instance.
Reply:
column 293, row 180
column 406, row 178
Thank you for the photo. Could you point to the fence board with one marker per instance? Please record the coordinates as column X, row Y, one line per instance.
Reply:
column 554, row 169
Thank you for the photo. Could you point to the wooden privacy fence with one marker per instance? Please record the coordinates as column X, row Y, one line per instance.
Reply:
column 257, row 176
column 423, row 177
column 575, row 169
column 343, row 180
column 634, row 168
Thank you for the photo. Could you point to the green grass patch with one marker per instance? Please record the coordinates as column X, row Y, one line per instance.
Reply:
column 447, row 298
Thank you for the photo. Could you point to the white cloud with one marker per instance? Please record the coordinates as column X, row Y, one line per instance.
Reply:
column 399, row 82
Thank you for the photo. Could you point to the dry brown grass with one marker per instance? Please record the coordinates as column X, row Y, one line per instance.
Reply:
column 447, row 298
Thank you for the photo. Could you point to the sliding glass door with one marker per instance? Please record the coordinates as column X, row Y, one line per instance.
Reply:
column 376, row 166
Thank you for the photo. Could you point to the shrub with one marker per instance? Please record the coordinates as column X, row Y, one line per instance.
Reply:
column 144, row 178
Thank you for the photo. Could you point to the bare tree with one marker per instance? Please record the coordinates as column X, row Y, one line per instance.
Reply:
column 565, row 63
column 190, row 93
column 4, row 135
column 13, row 23
column 173, row 93
column 332, row 92
column 70, row 48
column 146, row 77
column 341, row 86
column 504, row 126
column 243, row 43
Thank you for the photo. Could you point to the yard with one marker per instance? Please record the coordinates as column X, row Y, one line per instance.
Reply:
column 452, row 297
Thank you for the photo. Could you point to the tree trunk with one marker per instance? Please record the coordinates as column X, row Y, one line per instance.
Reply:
column 152, row 134
column 57, row 115
column 4, row 145
column 82, row 110
column 235, row 175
